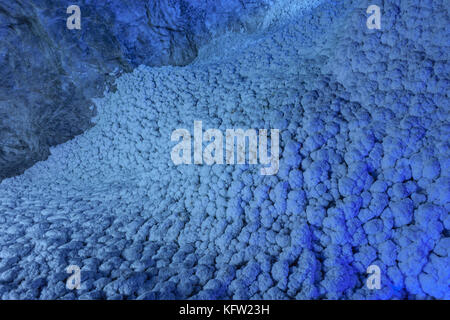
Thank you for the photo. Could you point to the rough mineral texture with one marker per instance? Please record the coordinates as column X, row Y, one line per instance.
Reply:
column 364, row 173
column 48, row 73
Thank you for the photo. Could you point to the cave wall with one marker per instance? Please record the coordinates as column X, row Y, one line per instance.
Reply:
column 49, row 74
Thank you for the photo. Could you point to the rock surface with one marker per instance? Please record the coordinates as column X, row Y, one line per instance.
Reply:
column 48, row 74
column 363, row 179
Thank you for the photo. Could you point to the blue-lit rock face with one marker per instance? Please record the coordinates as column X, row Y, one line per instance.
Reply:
column 363, row 178
column 49, row 74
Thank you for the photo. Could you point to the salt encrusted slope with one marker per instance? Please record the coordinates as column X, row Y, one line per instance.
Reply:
column 363, row 176
column 48, row 74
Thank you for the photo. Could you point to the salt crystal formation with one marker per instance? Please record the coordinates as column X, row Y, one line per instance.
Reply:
column 48, row 74
column 364, row 173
